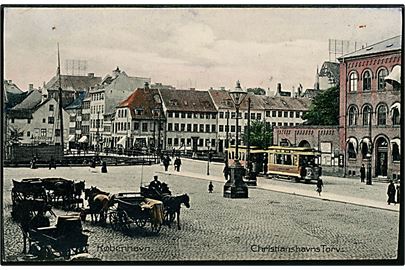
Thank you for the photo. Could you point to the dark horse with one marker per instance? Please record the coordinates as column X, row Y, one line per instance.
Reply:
column 99, row 202
column 172, row 205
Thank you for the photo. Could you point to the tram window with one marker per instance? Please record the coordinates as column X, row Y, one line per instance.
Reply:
column 287, row 160
column 295, row 160
column 242, row 156
column 233, row 155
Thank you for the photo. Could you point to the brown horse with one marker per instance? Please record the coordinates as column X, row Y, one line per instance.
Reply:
column 99, row 202
column 172, row 206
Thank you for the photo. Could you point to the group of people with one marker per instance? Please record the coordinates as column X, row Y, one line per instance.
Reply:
column 166, row 162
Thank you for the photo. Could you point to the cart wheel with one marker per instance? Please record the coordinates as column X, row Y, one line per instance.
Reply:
column 140, row 222
column 114, row 221
column 156, row 228
column 124, row 220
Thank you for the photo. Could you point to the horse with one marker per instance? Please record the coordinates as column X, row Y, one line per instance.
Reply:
column 99, row 201
column 172, row 205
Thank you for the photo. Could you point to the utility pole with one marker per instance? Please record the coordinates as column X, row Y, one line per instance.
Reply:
column 60, row 105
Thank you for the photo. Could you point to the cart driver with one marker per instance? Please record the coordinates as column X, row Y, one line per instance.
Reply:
column 155, row 185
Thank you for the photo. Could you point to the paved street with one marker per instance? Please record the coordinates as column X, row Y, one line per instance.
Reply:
column 267, row 226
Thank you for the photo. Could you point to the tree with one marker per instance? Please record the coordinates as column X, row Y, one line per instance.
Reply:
column 16, row 135
column 324, row 109
column 261, row 135
column 257, row 91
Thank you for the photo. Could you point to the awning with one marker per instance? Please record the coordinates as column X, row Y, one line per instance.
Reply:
column 398, row 142
column 395, row 75
column 367, row 141
column 395, row 106
column 83, row 139
column 71, row 138
column 122, row 141
column 354, row 142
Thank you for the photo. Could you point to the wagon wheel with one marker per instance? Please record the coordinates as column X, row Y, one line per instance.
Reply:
column 156, row 228
column 114, row 221
column 140, row 222
column 124, row 220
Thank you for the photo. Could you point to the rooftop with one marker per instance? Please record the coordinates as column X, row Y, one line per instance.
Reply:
column 187, row 100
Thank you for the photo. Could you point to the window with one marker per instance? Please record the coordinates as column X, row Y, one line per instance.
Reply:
column 381, row 76
column 176, row 115
column 169, row 141
column 28, row 121
column 267, row 113
column 382, row 115
column 285, row 114
column 351, row 151
column 214, row 116
column 176, row 141
column 144, row 127
column 291, row 114
column 201, row 115
column 366, row 115
column 207, row 128
column 227, row 115
column 273, row 113
column 183, row 115
column 366, row 81
column 189, row 127
column 233, row 115
column 182, row 141
column 353, row 82
column 396, row 156
column 195, row 127
column 57, row 132
column 227, row 128
column 246, row 115
column 207, row 142
column 43, row 120
column 182, row 127
column 12, row 120
column 189, row 115
column 51, row 107
column 200, row 142
column 297, row 114
column 252, row 116
column 169, row 127
column 176, row 127
column 395, row 117
column 232, row 128
column 169, row 115
column 207, row 115
column 188, row 142
column 280, row 113
column 51, row 120
column 28, row 134
column 201, row 128
column 213, row 128
column 221, row 128
column 352, row 116
column 221, row 115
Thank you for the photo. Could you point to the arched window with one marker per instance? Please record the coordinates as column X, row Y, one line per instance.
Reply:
column 353, row 82
column 382, row 73
column 352, row 116
column 366, row 115
column 396, row 151
column 366, row 81
column 351, row 147
column 382, row 115
column 396, row 120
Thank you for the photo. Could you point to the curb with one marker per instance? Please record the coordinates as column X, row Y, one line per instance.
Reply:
column 286, row 192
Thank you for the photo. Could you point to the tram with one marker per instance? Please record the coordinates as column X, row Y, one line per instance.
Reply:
column 297, row 163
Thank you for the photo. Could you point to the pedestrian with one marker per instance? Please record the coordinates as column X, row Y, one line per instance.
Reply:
column 166, row 163
column 34, row 163
column 391, row 193
column 319, row 185
column 210, row 187
column 226, row 171
column 173, row 152
column 104, row 167
column 362, row 173
column 52, row 163
column 398, row 193
column 177, row 164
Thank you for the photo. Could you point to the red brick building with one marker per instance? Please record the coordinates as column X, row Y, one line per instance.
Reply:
column 366, row 97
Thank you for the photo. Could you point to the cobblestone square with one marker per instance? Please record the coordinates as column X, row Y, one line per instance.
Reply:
column 267, row 226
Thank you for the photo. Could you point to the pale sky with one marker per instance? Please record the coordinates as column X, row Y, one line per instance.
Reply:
column 188, row 47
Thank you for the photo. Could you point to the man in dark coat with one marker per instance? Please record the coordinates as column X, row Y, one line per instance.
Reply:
column 391, row 193
column 319, row 185
column 398, row 193
column 210, row 187
column 226, row 171
column 177, row 164
column 362, row 173
column 166, row 162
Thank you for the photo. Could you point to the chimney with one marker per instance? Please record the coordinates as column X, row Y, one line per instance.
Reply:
column 146, row 85
column 116, row 72
column 278, row 87
column 30, row 87
column 90, row 75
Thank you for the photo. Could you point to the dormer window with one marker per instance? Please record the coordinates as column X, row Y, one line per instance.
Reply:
column 173, row 102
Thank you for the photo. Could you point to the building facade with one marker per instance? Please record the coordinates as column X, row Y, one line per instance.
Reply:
column 370, row 109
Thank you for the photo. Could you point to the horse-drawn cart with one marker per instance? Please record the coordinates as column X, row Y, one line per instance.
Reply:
column 66, row 238
column 132, row 208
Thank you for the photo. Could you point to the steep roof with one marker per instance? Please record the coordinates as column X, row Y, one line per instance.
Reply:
column 391, row 44
column 222, row 100
column 32, row 99
column 286, row 103
column 73, row 82
column 143, row 99
column 187, row 100
column 77, row 103
column 332, row 67
column 12, row 99
column 10, row 87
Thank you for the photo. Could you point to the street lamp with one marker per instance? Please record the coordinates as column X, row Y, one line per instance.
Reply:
column 208, row 157
column 98, row 132
column 235, row 187
column 250, row 177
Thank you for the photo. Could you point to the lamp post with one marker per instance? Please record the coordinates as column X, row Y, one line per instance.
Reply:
column 208, row 157
column 370, row 151
column 235, row 187
column 250, row 177
column 97, row 132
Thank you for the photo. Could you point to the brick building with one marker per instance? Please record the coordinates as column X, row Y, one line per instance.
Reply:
column 366, row 98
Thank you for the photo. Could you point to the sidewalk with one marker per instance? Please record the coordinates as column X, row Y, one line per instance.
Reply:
column 271, row 185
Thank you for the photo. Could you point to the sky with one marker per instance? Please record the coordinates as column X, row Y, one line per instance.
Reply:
column 188, row 47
